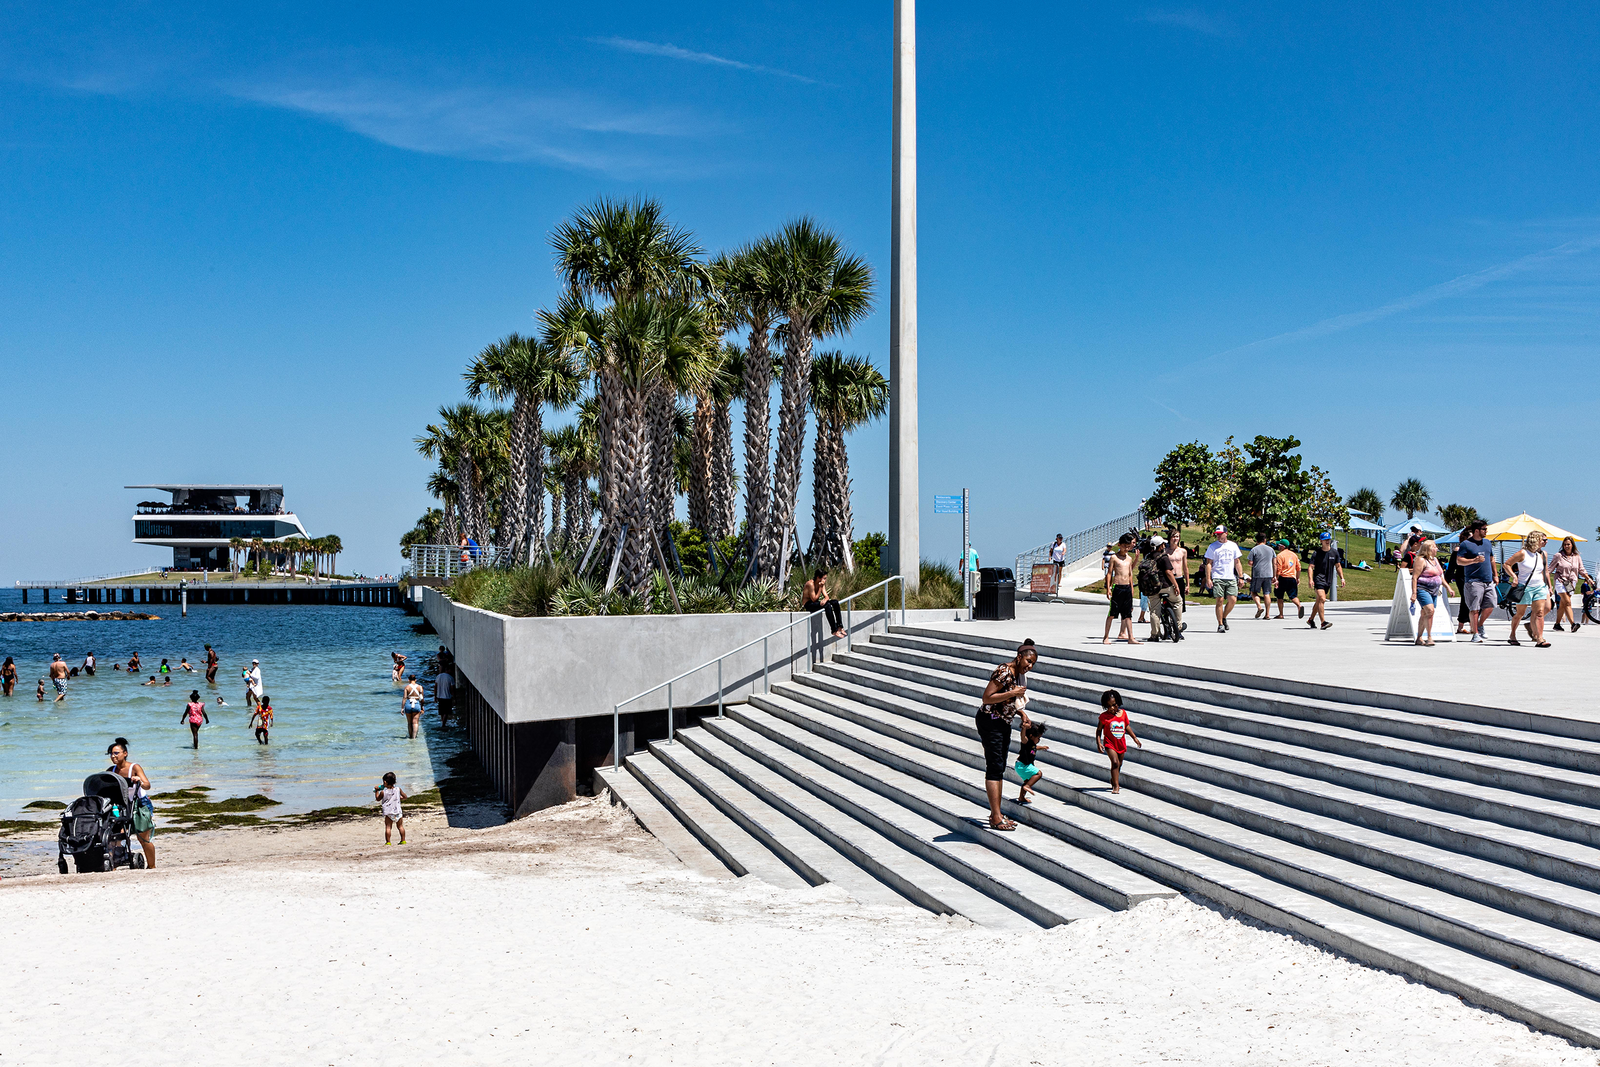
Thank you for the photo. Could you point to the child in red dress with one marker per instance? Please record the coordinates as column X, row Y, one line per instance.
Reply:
column 1113, row 734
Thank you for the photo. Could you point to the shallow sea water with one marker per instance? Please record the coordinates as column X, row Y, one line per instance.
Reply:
column 337, row 721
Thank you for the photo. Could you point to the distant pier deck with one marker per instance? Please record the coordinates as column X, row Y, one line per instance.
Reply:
column 355, row 594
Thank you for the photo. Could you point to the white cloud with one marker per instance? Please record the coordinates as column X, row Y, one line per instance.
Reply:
column 566, row 129
column 1187, row 19
column 672, row 51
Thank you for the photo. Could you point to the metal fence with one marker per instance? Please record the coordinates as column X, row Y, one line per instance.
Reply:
column 1081, row 544
column 447, row 561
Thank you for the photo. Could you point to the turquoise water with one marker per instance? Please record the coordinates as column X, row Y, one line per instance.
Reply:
column 337, row 726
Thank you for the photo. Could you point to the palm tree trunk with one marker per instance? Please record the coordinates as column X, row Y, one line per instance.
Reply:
column 720, row 491
column 452, row 533
column 844, row 520
column 532, row 544
column 609, row 425
column 632, row 452
column 702, row 458
column 514, row 514
column 791, row 444
column 555, row 519
column 824, row 542
column 663, row 408
column 757, row 432
column 579, row 511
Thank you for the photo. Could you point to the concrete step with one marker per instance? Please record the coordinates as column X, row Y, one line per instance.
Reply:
column 624, row 789
column 727, row 840
column 1551, row 767
column 793, row 843
column 1541, row 815
column 1253, row 686
column 1089, row 823
column 1544, row 856
column 1059, row 873
column 900, row 860
column 1539, row 948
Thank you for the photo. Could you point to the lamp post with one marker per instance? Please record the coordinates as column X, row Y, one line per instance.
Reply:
column 904, row 533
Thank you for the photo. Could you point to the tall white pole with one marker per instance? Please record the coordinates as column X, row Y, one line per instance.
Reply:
column 905, row 550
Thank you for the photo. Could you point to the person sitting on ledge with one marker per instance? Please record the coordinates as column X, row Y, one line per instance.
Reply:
column 814, row 598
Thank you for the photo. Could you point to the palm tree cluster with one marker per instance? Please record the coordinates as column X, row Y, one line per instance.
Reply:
column 296, row 555
column 652, row 342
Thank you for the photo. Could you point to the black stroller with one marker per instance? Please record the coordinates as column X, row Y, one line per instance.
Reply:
column 97, row 828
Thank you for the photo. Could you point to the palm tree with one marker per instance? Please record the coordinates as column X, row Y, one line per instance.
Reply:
column 688, row 358
column 616, row 252
column 1411, row 496
column 443, row 487
column 711, row 500
column 258, row 548
column 1366, row 501
column 332, row 546
column 747, row 279
column 578, row 452
column 472, row 444
column 822, row 290
column 235, row 550
column 847, row 392
column 532, row 375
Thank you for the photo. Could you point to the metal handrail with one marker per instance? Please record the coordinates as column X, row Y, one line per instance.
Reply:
column 766, row 663
column 75, row 582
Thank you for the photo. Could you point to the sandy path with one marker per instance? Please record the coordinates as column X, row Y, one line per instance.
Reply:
column 571, row 937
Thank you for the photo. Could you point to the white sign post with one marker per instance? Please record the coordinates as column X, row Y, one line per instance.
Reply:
column 1404, row 615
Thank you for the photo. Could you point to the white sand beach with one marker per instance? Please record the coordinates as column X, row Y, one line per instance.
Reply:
column 573, row 937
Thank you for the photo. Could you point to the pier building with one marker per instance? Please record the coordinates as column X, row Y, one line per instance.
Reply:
column 200, row 520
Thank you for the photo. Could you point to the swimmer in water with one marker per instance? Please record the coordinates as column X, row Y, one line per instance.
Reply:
column 183, row 665
column 399, row 666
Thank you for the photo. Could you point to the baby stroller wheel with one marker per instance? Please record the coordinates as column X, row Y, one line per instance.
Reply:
column 109, row 863
column 137, row 862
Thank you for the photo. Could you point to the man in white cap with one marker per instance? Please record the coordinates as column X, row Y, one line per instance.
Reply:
column 1225, row 572
column 252, row 683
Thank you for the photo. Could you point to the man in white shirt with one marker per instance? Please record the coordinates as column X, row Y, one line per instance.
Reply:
column 252, row 684
column 1225, row 572
column 1058, row 556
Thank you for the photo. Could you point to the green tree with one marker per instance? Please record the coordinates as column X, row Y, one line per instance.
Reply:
column 1410, row 496
column 1227, row 472
column 1274, row 491
column 425, row 532
column 823, row 290
column 235, row 553
column 712, row 505
column 847, row 392
column 1458, row 516
column 332, row 546
column 1327, row 511
column 1366, row 501
column 1183, row 482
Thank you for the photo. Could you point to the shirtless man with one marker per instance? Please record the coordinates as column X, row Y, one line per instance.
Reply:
column 58, row 676
column 1180, row 563
column 1119, row 591
column 211, row 664
column 411, row 704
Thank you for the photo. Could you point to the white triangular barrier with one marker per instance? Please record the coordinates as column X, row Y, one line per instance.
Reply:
column 1404, row 615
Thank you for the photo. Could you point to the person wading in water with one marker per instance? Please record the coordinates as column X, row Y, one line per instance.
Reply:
column 1004, row 698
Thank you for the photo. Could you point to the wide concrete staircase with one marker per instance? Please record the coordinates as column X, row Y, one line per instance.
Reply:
column 1439, row 842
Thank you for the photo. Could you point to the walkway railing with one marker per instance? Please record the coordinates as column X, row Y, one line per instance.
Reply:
column 766, row 661
column 1081, row 544
column 73, row 583
column 444, row 561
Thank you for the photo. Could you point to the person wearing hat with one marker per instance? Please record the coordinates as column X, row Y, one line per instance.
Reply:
column 1167, row 589
column 1325, row 570
column 1286, row 568
column 252, row 684
column 1224, row 572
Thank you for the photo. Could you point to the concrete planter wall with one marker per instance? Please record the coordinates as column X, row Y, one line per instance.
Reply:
column 537, row 694
column 532, row 670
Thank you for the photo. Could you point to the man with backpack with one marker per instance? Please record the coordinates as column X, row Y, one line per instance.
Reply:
column 1158, row 580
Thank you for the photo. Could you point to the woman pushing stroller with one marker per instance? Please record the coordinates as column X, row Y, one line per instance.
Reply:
column 143, row 811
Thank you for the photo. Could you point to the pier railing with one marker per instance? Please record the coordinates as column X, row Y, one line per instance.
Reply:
column 74, row 583
column 1079, row 545
column 764, row 641
column 447, row 561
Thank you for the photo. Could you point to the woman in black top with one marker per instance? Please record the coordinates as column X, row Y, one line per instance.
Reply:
column 1004, row 698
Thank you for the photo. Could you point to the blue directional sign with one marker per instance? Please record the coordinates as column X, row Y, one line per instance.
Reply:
column 947, row 505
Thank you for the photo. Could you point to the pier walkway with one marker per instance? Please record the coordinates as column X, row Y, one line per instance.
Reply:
column 361, row 594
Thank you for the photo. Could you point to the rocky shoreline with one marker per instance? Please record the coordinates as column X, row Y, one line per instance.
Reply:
column 73, row 616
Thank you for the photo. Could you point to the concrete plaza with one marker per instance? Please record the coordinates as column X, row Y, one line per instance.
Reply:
column 1556, row 681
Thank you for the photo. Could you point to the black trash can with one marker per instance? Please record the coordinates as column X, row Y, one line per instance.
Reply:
column 997, row 594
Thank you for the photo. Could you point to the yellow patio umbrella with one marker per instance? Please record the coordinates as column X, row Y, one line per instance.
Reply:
column 1520, row 526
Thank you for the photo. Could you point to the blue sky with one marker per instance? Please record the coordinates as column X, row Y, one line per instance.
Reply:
column 259, row 244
